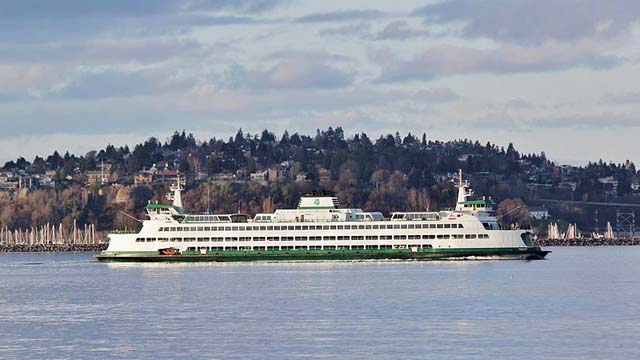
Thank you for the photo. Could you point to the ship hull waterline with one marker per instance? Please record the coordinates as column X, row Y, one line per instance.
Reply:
column 333, row 255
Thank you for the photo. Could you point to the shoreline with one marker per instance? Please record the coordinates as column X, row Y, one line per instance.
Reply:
column 100, row 247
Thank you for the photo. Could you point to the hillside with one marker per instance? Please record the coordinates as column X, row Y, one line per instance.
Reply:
column 254, row 173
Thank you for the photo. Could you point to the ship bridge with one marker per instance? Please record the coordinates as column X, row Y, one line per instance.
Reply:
column 318, row 201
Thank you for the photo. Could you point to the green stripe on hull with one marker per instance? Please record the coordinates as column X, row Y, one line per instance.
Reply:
column 307, row 255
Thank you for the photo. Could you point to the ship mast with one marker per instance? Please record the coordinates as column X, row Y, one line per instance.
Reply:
column 463, row 192
column 177, row 197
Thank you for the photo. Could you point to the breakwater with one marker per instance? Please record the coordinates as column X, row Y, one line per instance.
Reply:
column 588, row 242
column 52, row 247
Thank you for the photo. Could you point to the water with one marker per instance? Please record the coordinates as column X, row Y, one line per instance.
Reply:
column 582, row 303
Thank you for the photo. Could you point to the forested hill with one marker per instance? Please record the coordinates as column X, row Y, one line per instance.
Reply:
column 253, row 173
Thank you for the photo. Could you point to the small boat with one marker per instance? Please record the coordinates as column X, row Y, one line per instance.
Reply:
column 169, row 251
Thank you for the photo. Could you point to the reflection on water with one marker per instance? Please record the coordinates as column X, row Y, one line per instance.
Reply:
column 581, row 303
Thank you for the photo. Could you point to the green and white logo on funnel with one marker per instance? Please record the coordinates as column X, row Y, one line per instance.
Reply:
column 316, row 202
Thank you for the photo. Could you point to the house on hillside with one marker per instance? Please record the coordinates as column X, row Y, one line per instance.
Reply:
column 539, row 213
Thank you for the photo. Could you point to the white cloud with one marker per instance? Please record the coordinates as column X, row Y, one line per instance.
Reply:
column 447, row 60
column 534, row 22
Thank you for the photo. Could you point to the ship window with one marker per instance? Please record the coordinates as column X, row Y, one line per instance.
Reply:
column 328, row 238
column 439, row 226
column 385, row 237
column 427, row 246
column 259, row 248
column 139, row 239
column 385, row 246
column 272, row 248
column 357, row 247
column 333, row 227
column 361, row 227
column 375, row 226
column 325, row 227
column 176, row 239
column 163, row 239
column 232, row 238
column 414, row 237
column 298, row 227
column 340, row 227
column 343, row 247
column 343, row 238
column 201, row 239
column 329, row 247
column 200, row 228
column 272, row 238
column 411, row 226
column 432, row 226
column 447, row 226
column 231, row 248
column 371, row 247
column 357, row 237
column 372, row 237
column 300, row 248
column 404, row 226
column 470, row 236
column 443, row 236
column 287, row 238
column 189, row 239
column 399, row 237
column 301, row 238
column 207, row 228
column 316, row 247
column 173, row 229
column 428, row 236
column 244, row 238
column 312, row 238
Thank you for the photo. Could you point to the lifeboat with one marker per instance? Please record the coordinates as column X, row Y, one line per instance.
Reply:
column 169, row 251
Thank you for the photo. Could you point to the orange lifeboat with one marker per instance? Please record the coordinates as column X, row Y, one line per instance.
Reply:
column 169, row 251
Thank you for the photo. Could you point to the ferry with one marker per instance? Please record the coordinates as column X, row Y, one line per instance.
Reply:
column 319, row 229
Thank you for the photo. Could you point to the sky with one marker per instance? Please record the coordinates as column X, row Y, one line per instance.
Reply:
column 547, row 75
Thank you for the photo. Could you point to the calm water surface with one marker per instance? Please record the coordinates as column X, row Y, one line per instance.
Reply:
column 581, row 303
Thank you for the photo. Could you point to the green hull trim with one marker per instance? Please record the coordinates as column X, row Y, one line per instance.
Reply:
column 532, row 253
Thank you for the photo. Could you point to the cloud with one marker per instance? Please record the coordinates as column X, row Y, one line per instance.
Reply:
column 395, row 30
column 519, row 104
column 294, row 73
column 119, row 83
column 534, row 22
column 436, row 95
column 101, row 51
column 582, row 121
column 622, row 98
column 361, row 30
column 399, row 30
column 447, row 60
column 341, row 16
column 39, row 9
column 39, row 21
